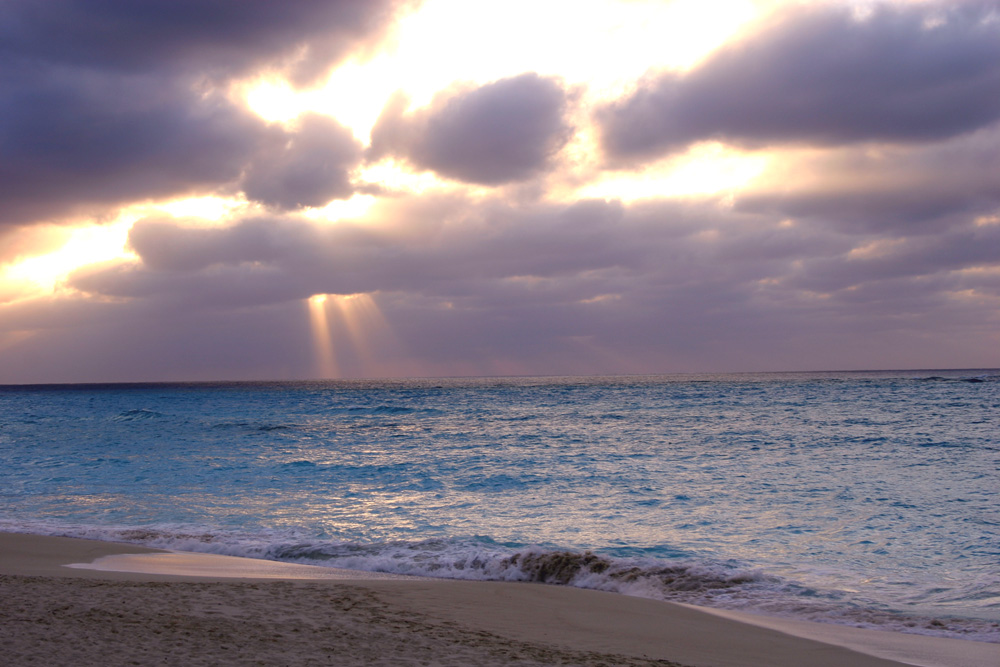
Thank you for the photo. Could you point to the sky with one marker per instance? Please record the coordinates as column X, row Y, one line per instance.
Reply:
column 249, row 190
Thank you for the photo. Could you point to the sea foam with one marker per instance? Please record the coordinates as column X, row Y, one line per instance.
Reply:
column 726, row 585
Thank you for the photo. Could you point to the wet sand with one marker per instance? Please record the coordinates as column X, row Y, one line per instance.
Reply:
column 194, row 609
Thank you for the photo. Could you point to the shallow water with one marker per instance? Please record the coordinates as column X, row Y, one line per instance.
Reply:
column 864, row 498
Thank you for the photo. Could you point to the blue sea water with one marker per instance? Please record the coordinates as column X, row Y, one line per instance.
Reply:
column 870, row 499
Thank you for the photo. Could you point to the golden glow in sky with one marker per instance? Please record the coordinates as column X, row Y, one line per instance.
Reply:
column 82, row 246
column 704, row 170
column 601, row 43
column 205, row 208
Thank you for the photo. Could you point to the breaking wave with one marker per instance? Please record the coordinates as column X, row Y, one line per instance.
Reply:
column 704, row 582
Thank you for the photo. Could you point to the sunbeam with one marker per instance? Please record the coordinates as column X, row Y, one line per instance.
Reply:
column 365, row 326
column 326, row 360
column 350, row 335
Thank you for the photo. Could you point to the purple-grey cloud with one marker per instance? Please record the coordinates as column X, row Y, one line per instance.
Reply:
column 435, row 244
column 821, row 75
column 969, row 246
column 896, row 190
column 489, row 255
column 501, row 132
column 488, row 286
column 72, row 141
column 217, row 38
column 110, row 102
column 307, row 167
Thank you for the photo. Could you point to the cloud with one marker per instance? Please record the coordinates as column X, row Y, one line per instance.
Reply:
column 107, row 103
column 74, row 141
column 822, row 74
column 166, row 244
column 888, row 260
column 413, row 244
column 502, row 132
column 491, row 254
column 897, row 190
column 479, row 286
column 488, row 252
column 93, row 341
column 307, row 167
column 218, row 38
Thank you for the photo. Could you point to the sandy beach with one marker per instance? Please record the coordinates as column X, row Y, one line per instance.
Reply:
column 144, row 607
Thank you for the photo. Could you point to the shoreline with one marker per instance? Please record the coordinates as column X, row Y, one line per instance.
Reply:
column 238, row 601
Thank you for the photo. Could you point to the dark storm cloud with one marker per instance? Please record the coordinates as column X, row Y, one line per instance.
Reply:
column 504, row 131
column 308, row 167
column 820, row 74
column 108, row 102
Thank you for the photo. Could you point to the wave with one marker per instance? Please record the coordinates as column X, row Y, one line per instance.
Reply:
column 976, row 379
column 705, row 582
column 138, row 415
column 972, row 379
column 364, row 410
column 483, row 559
column 248, row 426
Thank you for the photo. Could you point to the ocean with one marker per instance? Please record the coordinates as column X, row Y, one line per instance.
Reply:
column 866, row 498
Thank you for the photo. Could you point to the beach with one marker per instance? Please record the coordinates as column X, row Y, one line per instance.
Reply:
column 202, row 609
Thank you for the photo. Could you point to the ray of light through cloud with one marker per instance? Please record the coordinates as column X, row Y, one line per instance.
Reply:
column 322, row 335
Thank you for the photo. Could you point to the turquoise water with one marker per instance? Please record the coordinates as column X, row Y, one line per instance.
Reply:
column 862, row 498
